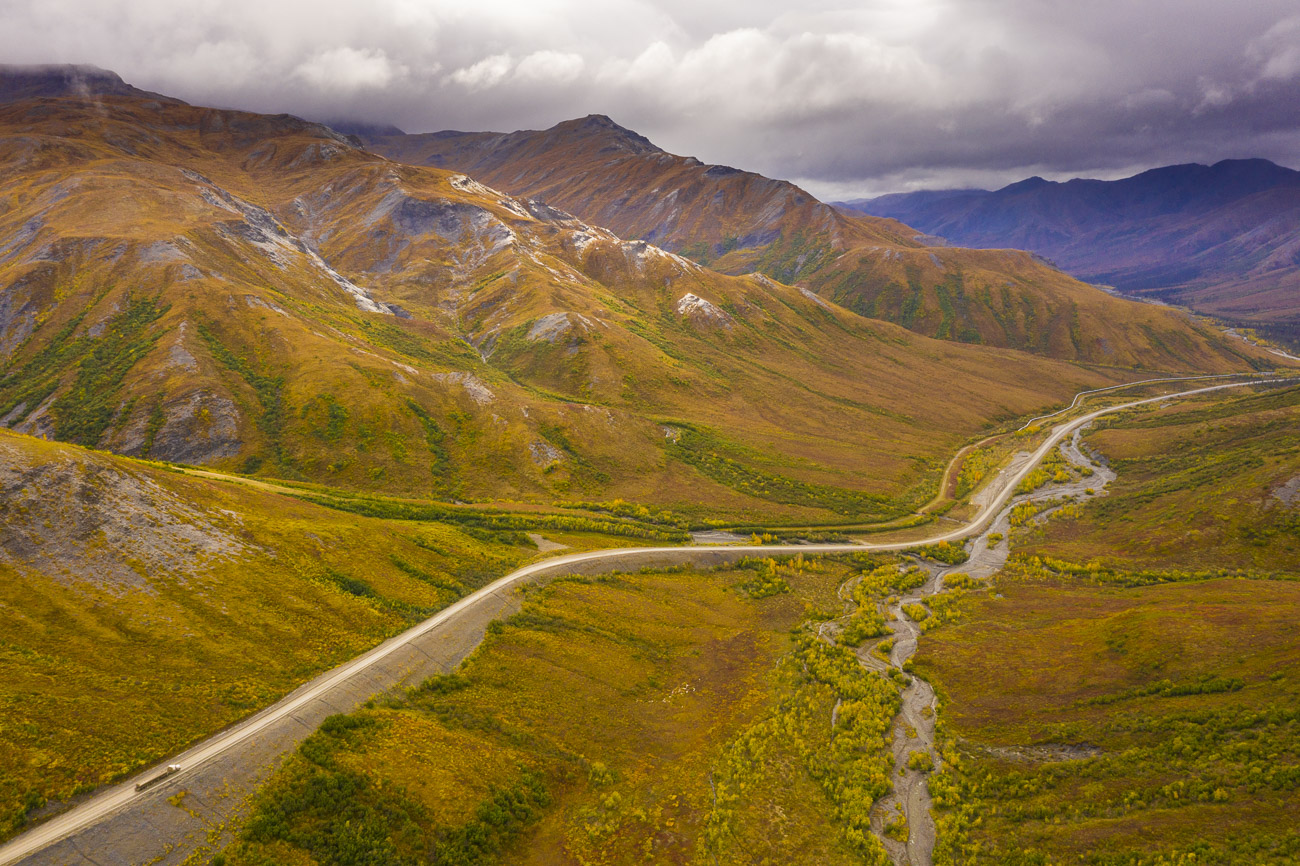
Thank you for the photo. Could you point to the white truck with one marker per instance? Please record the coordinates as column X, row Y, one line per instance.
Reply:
column 172, row 769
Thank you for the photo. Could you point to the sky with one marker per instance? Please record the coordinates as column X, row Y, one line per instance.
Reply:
column 846, row 98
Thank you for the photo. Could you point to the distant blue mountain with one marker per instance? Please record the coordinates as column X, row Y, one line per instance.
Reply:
column 1223, row 238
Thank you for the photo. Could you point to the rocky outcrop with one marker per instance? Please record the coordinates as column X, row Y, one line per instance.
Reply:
column 694, row 308
column 101, row 511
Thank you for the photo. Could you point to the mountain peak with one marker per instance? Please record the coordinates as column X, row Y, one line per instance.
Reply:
column 1028, row 184
column 364, row 130
column 602, row 125
column 1262, row 170
column 49, row 81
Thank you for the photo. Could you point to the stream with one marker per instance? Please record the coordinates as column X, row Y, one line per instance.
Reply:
column 914, row 726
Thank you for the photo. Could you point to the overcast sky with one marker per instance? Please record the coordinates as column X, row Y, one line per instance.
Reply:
column 843, row 97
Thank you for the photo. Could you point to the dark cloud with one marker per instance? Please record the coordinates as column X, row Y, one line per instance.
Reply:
column 845, row 97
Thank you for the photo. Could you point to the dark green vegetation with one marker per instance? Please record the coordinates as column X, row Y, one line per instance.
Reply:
column 270, row 397
column 679, row 717
column 1128, row 692
column 93, row 365
column 495, row 521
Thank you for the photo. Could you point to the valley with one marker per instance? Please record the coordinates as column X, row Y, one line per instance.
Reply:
column 220, row 758
column 547, row 497
column 1162, row 726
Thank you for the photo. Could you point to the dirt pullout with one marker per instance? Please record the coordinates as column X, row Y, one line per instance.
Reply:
column 545, row 545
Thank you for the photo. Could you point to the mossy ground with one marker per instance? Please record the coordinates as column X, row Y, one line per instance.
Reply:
column 657, row 717
column 1152, row 632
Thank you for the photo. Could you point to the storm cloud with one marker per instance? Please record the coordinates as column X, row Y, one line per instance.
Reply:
column 846, row 98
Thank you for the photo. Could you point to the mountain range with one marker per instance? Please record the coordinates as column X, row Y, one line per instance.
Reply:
column 1223, row 239
column 736, row 222
column 261, row 294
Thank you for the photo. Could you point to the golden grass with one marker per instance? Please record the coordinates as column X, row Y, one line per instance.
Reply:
column 1139, row 628
column 100, row 677
column 630, row 696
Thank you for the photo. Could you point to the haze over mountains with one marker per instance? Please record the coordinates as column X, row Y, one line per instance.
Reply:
column 1223, row 239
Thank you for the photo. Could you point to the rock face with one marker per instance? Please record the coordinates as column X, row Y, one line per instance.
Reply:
column 696, row 309
column 544, row 453
column 1288, row 493
column 198, row 429
column 195, row 428
column 100, row 511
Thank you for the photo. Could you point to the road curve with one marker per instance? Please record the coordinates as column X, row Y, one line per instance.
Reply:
column 1077, row 397
column 119, row 796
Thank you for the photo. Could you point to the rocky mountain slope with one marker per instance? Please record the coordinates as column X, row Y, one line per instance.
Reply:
column 1224, row 238
column 258, row 293
column 738, row 222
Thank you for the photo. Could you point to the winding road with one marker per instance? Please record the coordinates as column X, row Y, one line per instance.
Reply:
column 492, row 599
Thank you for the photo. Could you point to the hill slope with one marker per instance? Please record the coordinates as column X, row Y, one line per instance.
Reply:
column 164, row 607
column 1224, row 238
column 257, row 293
column 737, row 222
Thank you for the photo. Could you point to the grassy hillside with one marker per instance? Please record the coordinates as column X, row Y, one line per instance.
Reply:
column 144, row 609
column 254, row 293
column 1163, row 726
column 1010, row 298
column 1202, row 485
column 738, row 222
column 1127, row 694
